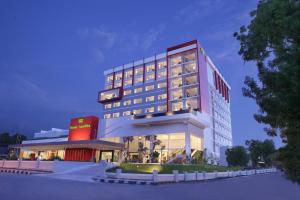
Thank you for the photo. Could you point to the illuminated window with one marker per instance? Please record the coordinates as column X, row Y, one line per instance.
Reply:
column 117, row 104
column 108, row 87
column 177, row 82
column 177, row 94
column 118, row 79
column 162, row 74
column 190, row 67
column 127, row 103
column 149, row 87
column 136, row 101
column 150, row 77
column 192, row 103
column 109, row 95
column 176, row 60
column 109, row 79
column 161, row 64
column 128, row 74
column 107, row 116
column 176, row 71
column 139, row 70
column 138, row 90
column 150, row 68
column 189, row 80
column 191, row 92
column 138, row 80
column 151, row 98
column 107, row 106
column 126, row 113
column 115, row 115
column 127, row 82
column 149, row 110
column 162, row 85
column 189, row 57
column 162, row 108
column 177, row 106
column 127, row 92
column 162, row 96
column 118, row 84
column 138, row 111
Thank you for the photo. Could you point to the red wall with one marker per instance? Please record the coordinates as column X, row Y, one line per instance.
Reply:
column 83, row 128
column 79, row 154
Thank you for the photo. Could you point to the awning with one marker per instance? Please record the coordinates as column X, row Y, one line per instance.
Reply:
column 90, row 144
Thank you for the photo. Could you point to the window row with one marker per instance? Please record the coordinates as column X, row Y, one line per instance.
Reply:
column 137, row 75
column 146, row 88
column 184, row 81
column 135, row 101
column 182, row 93
column 160, row 108
column 179, row 70
column 185, row 57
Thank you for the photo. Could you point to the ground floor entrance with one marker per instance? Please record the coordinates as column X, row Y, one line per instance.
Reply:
column 107, row 155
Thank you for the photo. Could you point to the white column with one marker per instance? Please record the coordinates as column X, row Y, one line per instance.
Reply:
column 188, row 144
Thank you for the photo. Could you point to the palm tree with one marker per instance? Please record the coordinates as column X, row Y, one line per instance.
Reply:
column 162, row 147
column 153, row 142
column 127, row 140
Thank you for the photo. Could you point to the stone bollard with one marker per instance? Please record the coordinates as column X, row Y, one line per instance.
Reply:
column 19, row 163
column 155, row 176
column 118, row 173
column 203, row 175
column 37, row 164
column 227, row 173
column 196, row 175
column 216, row 174
column 185, row 175
column 102, row 169
column 176, row 177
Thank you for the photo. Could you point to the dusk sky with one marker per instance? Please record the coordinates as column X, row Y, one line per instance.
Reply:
column 53, row 54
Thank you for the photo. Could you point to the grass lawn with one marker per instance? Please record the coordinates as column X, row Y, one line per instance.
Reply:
column 167, row 169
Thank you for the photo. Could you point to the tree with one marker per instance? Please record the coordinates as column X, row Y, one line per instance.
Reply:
column 237, row 156
column 127, row 140
column 6, row 138
column 272, row 41
column 153, row 142
column 261, row 151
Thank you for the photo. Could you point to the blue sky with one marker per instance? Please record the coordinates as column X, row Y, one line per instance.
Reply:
column 53, row 54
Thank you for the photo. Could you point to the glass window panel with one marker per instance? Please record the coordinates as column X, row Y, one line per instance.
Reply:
column 177, row 106
column 149, row 87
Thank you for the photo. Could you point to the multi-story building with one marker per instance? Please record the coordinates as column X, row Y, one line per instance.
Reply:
column 175, row 103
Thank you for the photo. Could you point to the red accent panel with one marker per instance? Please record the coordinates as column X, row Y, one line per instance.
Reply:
column 167, row 60
column 182, row 45
column 198, row 75
column 113, row 85
column 79, row 154
column 83, row 128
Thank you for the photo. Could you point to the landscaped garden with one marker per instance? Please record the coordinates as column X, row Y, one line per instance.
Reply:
column 168, row 168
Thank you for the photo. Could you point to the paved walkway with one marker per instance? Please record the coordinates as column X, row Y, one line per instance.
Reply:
column 256, row 187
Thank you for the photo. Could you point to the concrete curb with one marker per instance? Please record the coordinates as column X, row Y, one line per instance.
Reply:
column 15, row 171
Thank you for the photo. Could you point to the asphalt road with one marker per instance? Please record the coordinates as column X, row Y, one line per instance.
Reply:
column 265, row 187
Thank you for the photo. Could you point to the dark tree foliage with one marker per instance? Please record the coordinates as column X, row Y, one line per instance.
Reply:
column 272, row 40
column 6, row 138
column 261, row 151
column 237, row 156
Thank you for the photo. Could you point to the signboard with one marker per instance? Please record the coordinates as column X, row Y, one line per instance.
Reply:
column 83, row 128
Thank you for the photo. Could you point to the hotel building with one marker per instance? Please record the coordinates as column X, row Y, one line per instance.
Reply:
column 178, row 98
column 173, row 106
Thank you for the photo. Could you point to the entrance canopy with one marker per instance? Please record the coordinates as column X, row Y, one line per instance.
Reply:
column 89, row 144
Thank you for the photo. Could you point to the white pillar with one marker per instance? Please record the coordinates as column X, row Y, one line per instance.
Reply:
column 188, row 144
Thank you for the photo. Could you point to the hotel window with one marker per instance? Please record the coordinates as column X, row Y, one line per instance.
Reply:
column 128, row 74
column 127, row 92
column 177, row 94
column 176, row 71
column 117, row 104
column 191, row 92
column 176, row 60
column 115, row 115
column 138, row 90
column 138, row 80
column 126, row 113
column 177, row 82
column 139, row 70
column 150, row 77
column 162, row 74
column 162, row 65
column 108, row 87
column 162, row 108
column 177, row 106
column 107, row 116
column 109, row 79
column 118, row 79
column 127, row 82
column 138, row 111
column 127, row 103
column 189, row 57
column 161, row 85
column 136, row 101
column 192, row 103
column 150, row 68
column 107, row 106
column 151, row 98
column 149, row 87
column 190, row 68
column 162, row 96
column 189, row 80
column 149, row 110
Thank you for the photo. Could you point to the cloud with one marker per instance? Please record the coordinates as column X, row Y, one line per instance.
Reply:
column 106, row 38
column 98, row 55
column 152, row 36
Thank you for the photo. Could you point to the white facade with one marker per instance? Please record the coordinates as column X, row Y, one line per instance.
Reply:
column 178, row 96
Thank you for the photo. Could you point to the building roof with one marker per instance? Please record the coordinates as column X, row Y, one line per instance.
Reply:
column 91, row 144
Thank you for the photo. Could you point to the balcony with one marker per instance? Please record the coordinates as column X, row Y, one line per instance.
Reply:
column 110, row 95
